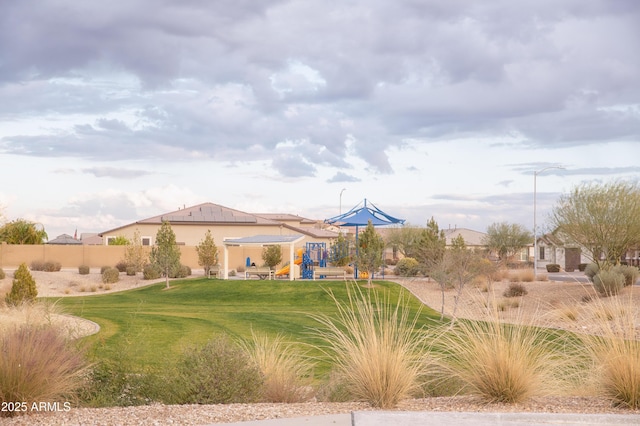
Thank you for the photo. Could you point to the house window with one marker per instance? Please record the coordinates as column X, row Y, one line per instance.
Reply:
column 146, row 241
column 541, row 256
column 108, row 240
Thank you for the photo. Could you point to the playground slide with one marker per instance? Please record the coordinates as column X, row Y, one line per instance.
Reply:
column 285, row 270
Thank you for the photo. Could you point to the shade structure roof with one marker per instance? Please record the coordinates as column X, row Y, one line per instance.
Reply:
column 263, row 240
column 362, row 214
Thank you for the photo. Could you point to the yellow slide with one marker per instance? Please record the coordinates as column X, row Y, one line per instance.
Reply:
column 285, row 269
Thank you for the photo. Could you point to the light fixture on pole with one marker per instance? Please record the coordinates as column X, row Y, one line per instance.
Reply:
column 343, row 189
column 535, row 229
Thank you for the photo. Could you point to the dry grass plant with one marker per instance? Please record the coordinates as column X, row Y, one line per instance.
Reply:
column 499, row 362
column 377, row 353
column 39, row 363
column 614, row 350
column 287, row 372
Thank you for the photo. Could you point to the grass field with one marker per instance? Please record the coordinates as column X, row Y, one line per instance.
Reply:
column 153, row 324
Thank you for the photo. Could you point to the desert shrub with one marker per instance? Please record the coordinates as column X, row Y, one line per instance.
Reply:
column 615, row 351
column 240, row 269
column 608, row 283
column 515, row 290
column 182, row 271
column 51, row 266
column 407, row 267
column 131, row 271
column 84, row 270
column 286, row 372
column 376, row 352
column 37, row 265
column 553, row 267
column 104, row 268
column 591, row 270
column 219, row 372
column 151, row 271
column 2, row 274
column 23, row 289
column 121, row 266
column 110, row 276
column 522, row 275
column 630, row 274
column 51, row 367
column 502, row 362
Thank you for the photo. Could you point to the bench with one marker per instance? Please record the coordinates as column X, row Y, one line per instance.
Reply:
column 215, row 271
column 329, row 271
column 261, row 271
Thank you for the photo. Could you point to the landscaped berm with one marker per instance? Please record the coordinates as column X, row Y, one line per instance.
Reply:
column 212, row 351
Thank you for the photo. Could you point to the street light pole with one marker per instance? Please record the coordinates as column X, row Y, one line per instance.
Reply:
column 535, row 225
column 343, row 189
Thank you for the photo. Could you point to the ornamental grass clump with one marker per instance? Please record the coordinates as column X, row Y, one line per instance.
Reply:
column 38, row 365
column 287, row 372
column 614, row 350
column 499, row 362
column 377, row 352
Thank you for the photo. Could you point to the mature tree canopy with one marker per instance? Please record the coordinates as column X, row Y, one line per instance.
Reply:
column 165, row 253
column 207, row 252
column 370, row 251
column 22, row 231
column 602, row 218
column 405, row 239
column 507, row 239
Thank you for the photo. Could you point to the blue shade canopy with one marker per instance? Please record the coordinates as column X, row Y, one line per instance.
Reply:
column 361, row 215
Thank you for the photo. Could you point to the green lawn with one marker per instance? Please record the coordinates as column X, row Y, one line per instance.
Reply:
column 153, row 324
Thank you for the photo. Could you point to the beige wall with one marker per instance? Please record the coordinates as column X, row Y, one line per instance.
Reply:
column 72, row 256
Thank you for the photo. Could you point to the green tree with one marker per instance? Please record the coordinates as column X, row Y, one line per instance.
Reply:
column 23, row 289
column 165, row 253
column 370, row 250
column 272, row 255
column 135, row 253
column 22, row 231
column 120, row 240
column 602, row 218
column 431, row 247
column 207, row 252
column 405, row 239
column 507, row 239
column 340, row 251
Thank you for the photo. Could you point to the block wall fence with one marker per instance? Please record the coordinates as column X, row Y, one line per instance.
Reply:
column 73, row 256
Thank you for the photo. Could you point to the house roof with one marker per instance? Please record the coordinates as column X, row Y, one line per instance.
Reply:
column 206, row 213
column 64, row 239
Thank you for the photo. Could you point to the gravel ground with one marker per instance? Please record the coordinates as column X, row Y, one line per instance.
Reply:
column 207, row 414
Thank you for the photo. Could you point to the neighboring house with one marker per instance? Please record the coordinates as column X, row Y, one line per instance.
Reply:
column 190, row 225
column 91, row 239
column 557, row 248
column 473, row 239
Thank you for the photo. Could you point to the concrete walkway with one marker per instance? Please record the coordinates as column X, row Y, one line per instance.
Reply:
column 419, row 418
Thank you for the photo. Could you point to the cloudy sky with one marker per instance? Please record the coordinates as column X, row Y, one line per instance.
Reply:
column 119, row 110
